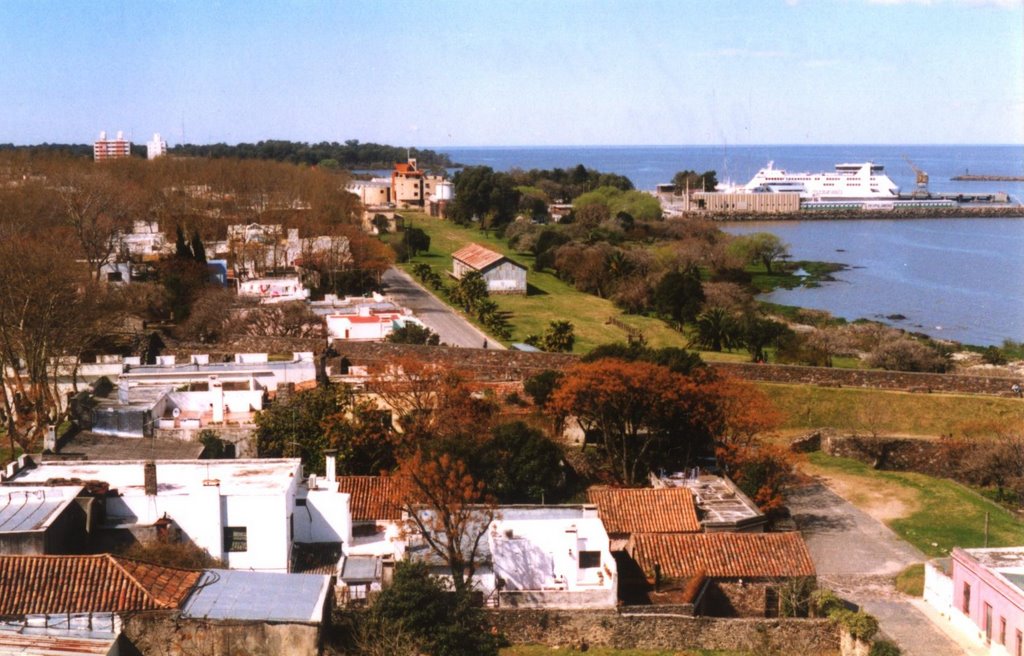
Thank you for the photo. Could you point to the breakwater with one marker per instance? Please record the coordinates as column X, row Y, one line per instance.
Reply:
column 987, row 178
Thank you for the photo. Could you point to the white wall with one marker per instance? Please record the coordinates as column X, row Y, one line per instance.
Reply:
column 325, row 518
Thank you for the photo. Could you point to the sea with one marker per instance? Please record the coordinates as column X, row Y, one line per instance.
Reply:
column 956, row 279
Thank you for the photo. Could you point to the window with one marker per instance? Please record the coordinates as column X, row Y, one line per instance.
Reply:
column 590, row 559
column 966, row 607
column 988, row 623
column 1002, row 630
column 235, row 538
column 1020, row 643
column 300, row 502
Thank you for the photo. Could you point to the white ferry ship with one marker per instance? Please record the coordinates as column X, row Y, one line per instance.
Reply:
column 864, row 180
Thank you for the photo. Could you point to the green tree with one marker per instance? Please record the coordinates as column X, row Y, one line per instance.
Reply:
column 716, row 329
column 679, row 295
column 521, row 465
column 292, row 426
column 469, row 291
column 198, row 250
column 762, row 247
column 539, row 387
column 481, row 194
column 693, row 181
column 559, row 337
column 440, row 622
column 756, row 333
column 413, row 333
column 417, row 241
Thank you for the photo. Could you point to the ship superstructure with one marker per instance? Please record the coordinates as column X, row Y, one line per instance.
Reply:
column 863, row 180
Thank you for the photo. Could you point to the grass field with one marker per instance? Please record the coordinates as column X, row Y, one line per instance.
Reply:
column 549, row 299
column 892, row 413
column 933, row 514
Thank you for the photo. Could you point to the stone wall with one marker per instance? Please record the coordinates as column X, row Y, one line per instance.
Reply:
column 892, row 453
column 874, row 379
column 666, row 631
column 490, row 364
column 168, row 634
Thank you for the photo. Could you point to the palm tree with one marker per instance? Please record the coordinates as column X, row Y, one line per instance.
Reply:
column 716, row 329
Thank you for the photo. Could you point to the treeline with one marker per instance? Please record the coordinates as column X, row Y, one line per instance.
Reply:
column 349, row 155
column 563, row 185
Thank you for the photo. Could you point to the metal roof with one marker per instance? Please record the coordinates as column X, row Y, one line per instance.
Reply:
column 32, row 508
column 223, row 594
column 12, row 643
column 477, row 257
column 358, row 569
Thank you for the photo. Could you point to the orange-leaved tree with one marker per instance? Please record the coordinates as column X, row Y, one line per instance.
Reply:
column 447, row 509
column 742, row 411
column 643, row 415
column 761, row 471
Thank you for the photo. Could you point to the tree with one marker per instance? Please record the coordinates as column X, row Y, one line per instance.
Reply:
column 413, row 333
column 540, row 387
column 469, row 291
column 181, row 247
column 755, row 333
column 641, row 414
column 558, row 338
column 716, row 329
column 692, row 181
column 677, row 360
column 99, row 209
column 293, row 426
column 362, row 435
column 761, row 247
column 481, row 194
column 435, row 620
column 521, row 465
column 679, row 295
column 762, row 472
column 198, row 250
column 449, row 509
column 417, row 241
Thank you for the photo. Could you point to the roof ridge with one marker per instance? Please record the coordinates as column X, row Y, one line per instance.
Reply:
column 117, row 562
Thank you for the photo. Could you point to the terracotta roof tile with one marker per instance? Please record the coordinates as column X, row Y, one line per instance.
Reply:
column 371, row 497
column 81, row 584
column 477, row 256
column 723, row 555
column 645, row 510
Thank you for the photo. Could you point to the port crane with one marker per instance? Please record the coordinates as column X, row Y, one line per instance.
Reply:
column 921, row 191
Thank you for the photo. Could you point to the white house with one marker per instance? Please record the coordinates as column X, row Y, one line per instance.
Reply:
column 249, row 513
column 541, row 557
column 366, row 324
column 274, row 290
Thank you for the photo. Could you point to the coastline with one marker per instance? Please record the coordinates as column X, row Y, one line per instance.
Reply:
column 988, row 212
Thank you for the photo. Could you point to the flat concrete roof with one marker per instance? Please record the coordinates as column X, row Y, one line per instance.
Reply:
column 718, row 501
column 254, row 477
column 86, row 445
column 999, row 558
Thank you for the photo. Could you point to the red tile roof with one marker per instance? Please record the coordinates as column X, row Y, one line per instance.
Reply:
column 723, row 555
column 476, row 256
column 81, row 584
column 645, row 510
column 371, row 497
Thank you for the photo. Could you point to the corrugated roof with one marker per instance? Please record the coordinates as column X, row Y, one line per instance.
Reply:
column 645, row 510
column 723, row 555
column 32, row 585
column 477, row 256
column 54, row 645
column 371, row 498
column 32, row 508
column 240, row 595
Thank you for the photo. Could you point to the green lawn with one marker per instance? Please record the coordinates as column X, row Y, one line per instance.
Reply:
column 943, row 514
column 549, row 299
column 868, row 411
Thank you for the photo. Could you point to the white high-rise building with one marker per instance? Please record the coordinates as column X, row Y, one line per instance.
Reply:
column 156, row 147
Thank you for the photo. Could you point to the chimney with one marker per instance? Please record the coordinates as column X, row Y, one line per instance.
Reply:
column 50, row 441
column 149, row 477
column 332, row 462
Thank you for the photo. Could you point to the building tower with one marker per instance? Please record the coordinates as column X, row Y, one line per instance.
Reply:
column 106, row 149
column 156, row 147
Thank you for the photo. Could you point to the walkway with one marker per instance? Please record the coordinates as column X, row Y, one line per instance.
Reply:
column 453, row 329
column 857, row 556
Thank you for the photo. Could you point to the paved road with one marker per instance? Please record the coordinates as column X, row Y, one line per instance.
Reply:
column 453, row 329
column 857, row 556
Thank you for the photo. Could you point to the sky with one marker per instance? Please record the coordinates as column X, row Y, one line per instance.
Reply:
column 530, row 72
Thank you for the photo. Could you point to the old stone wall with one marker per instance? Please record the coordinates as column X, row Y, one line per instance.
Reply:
column 875, row 379
column 896, row 454
column 490, row 364
column 623, row 630
column 168, row 634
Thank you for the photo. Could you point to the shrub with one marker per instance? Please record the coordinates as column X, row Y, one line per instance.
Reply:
column 884, row 648
column 858, row 624
column 824, row 602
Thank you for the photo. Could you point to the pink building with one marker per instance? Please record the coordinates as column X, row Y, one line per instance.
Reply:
column 984, row 596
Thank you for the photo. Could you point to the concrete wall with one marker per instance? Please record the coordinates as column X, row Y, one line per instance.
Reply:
column 639, row 631
column 167, row 634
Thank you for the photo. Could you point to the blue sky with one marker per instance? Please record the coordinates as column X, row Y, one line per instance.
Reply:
column 530, row 72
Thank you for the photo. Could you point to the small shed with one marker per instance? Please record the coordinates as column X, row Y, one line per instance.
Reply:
column 503, row 276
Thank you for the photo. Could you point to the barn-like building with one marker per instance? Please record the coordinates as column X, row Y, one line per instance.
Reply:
column 503, row 276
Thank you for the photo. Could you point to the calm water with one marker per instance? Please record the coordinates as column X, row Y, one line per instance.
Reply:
column 960, row 279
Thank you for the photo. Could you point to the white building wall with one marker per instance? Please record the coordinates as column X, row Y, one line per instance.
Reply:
column 324, row 518
column 265, row 518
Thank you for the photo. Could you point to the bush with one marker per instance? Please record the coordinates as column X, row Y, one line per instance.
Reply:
column 858, row 624
column 884, row 648
column 824, row 602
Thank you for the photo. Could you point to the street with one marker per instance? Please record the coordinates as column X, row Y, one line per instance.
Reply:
column 453, row 329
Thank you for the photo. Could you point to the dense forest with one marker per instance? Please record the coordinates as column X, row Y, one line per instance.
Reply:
column 349, row 155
